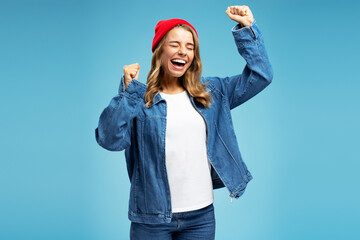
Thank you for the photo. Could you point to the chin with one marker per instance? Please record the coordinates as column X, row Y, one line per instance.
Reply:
column 178, row 74
column 175, row 73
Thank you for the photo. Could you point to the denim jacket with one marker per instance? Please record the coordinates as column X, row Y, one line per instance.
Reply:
column 125, row 124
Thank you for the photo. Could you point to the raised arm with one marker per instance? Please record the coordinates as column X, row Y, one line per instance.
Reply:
column 114, row 129
column 258, row 72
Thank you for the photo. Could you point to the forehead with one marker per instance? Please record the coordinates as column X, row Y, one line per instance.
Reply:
column 180, row 34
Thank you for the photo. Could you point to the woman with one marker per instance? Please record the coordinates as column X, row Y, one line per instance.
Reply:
column 177, row 130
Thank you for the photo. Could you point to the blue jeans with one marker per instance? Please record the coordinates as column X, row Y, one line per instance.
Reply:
column 197, row 224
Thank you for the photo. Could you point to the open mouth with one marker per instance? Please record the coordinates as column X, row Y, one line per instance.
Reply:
column 177, row 63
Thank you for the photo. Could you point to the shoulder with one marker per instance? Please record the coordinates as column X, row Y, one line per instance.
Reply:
column 212, row 83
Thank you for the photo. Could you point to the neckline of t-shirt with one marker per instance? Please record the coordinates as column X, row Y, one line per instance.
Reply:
column 173, row 95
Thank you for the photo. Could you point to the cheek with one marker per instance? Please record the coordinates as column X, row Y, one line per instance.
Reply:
column 192, row 59
column 164, row 61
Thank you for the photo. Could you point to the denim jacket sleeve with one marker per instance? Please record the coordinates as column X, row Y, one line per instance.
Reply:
column 257, row 73
column 115, row 123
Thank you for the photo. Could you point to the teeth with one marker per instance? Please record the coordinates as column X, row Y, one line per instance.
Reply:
column 179, row 61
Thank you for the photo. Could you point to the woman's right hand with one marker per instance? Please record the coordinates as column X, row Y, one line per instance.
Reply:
column 130, row 72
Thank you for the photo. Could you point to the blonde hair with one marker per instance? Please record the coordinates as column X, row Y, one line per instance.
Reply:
column 190, row 80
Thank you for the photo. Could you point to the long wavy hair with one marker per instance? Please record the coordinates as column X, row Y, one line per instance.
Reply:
column 190, row 80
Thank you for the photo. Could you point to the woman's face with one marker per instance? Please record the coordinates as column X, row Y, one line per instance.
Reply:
column 178, row 52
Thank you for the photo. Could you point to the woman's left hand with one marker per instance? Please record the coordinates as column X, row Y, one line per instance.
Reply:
column 240, row 14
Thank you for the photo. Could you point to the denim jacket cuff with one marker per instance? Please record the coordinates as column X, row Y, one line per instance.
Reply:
column 134, row 89
column 122, row 85
column 246, row 35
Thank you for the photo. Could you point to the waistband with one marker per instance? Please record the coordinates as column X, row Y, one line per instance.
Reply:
column 194, row 212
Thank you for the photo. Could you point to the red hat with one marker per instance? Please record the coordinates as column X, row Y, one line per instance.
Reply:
column 163, row 26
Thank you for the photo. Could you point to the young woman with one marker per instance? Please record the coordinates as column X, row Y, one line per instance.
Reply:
column 177, row 129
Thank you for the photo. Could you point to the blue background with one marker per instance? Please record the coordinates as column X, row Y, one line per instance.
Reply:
column 61, row 63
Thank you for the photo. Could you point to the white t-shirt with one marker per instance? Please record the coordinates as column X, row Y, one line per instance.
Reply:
column 187, row 164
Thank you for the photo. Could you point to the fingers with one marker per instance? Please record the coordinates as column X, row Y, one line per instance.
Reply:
column 231, row 13
column 241, row 14
column 137, row 74
column 131, row 71
column 238, row 10
column 236, row 13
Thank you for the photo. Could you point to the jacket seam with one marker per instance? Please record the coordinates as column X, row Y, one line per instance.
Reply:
column 228, row 112
column 142, row 162
column 164, row 154
column 216, row 89
column 140, row 213
column 126, row 129
column 250, row 81
column 232, row 157
column 129, row 97
column 253, row 41
column 136, row 183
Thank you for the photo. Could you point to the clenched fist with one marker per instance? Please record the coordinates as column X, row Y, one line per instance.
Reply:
column 130, row 72
column 240, row 14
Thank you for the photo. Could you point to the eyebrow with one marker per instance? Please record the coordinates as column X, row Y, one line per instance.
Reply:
column 179, row 42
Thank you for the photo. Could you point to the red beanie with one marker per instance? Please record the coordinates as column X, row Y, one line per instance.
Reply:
column 163, row 26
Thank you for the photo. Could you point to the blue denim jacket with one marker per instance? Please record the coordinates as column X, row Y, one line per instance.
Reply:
column 125, row 124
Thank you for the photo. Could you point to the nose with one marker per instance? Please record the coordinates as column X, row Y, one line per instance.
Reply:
column 182, row 50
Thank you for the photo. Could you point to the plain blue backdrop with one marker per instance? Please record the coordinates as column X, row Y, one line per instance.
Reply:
column 61, row 63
